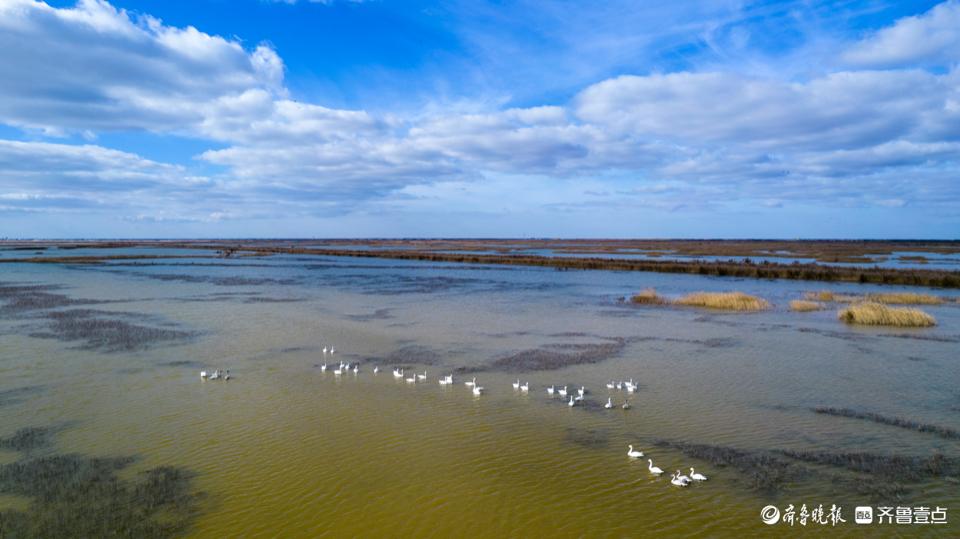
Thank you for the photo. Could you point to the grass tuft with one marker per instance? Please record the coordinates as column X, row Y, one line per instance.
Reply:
column 905, row 298
column 876, row 314
column 649, row 296
column 728, row 301
column 801, row 305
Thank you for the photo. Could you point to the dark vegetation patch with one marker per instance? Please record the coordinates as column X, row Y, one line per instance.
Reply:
column 28, row 439
column 379, row 314
column 909, row 424
column 23, row 299
column 267, row 299
column 219, row 281
column 182, row 363
column 18, row 394
column 556, row 356
column 759, row 470
column 905, row 468
column 106, row 331
column 79, row 496
column 411, row 354
column 588, row 438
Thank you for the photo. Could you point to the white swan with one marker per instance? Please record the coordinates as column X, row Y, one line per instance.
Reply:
column 655, row 470
column 323, row 368
column 203, row 375
column 677, row 482
column 563, row 391
column 477, row 390
column 525, row 387
column 619, row 386
column 572, row 402
column 398, row 373
column 516, row 385
column 215, row 375
column 579, row 398
column 446, row 380
column 609, row 403
column 581, row 391
column 356, row 368
column 634, row 454
column 626, row 406
column 226, row 375
column 697, row 476
column 683, row 478
column 471, row 383
column 332, row 350
column 550, row 390
column 338, row 371
column 412, row 379
column 324, row 349
column 422, row 376
column 376, row 369
column 611, row 385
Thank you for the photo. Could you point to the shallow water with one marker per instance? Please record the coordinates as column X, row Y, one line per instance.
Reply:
column 284, row 449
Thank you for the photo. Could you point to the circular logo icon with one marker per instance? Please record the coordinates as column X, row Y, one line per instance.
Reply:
column 770, row 515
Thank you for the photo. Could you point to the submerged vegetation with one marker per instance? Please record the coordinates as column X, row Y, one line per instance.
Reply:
column 801, row 305
column 943, row 432
column 728, row 301
column 73, row 495
column 876, row 314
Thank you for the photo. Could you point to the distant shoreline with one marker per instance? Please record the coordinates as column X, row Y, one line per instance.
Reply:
column 504, row 252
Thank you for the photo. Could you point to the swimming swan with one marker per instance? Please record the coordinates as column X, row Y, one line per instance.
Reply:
column 634, row 454
column 697, row 476
column 655, row 470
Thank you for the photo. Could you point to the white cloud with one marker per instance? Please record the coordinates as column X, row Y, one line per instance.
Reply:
column 932, row 38
column 664, row 141
column 95, row 67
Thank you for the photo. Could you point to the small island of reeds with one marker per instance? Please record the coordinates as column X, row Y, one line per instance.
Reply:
column 728, row 301
column 877, row 314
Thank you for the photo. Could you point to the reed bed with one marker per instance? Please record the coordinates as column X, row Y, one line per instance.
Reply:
column 804, row 306
column 728, row 301
column 649, row 296
column 905, row 298
column 877, row 314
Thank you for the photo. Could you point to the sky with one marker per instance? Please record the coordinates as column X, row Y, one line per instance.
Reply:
column 469, row 118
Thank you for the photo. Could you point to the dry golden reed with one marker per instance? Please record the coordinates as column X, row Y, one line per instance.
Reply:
column 649, row 296
column 801, row 305
column 877, row 314
column 905, row 298
column 729, row 301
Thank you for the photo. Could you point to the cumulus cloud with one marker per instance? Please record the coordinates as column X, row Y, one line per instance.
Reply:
column 667, row 141
column 95, row 67
column 932, row 38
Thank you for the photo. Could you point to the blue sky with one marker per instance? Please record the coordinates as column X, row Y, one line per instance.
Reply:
column 258, row 118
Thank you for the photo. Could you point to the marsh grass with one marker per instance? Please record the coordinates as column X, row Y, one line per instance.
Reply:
column 801, row 305
column 728, row 301
column 648, row 296
column 73, row 495
column 759, row 470
column 876, row 314
column 905, row 298
column 909, row 424
column 106, row 331
column 828, row 296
